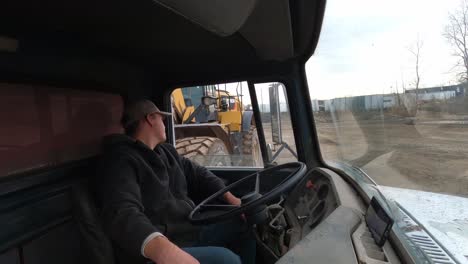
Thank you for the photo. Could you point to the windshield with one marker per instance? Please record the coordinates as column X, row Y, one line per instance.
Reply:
column 389, row 89
column 390, row 96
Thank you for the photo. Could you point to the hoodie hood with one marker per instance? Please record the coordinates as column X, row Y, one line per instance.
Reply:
column 120, row 143
column 117, row 140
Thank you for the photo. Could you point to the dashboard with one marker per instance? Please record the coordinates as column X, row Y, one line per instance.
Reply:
column 311, row 201
column 322, row 218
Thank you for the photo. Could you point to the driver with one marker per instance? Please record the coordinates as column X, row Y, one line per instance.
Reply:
column 147, row 190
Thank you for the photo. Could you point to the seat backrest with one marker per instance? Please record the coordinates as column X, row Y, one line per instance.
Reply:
column 97, row 247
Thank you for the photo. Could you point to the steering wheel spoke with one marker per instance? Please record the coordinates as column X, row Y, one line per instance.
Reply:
column 253, row 203
column 218, row 207
column 257, row 184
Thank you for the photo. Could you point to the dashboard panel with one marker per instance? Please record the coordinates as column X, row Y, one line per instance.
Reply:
column 320, row 218
column 311, row 201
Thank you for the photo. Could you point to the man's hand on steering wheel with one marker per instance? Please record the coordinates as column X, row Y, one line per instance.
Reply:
column 252, row 204
column 231, row 199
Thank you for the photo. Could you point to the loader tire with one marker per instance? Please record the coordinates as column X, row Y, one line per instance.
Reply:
column 206, row 151
column 251, row 152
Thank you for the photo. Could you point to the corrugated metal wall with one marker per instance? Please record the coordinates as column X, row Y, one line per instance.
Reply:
column 378, row 101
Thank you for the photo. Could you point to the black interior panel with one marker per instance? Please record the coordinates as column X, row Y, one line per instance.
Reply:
column 33, row 218
column 36, row 216
column 32, row 204
column 59, row 245
column 10, row 257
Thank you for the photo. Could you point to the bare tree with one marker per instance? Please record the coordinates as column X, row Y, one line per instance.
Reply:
column 456, row 32
column 416, row 51
column 397, row 94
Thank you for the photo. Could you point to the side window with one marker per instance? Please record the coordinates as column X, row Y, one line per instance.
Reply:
column 44, row 126
column 216, row 128
column 276, row 122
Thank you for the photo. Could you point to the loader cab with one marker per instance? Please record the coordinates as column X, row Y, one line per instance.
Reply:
column 229, row 102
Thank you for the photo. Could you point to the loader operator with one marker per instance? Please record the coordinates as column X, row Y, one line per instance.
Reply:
column 147, row 190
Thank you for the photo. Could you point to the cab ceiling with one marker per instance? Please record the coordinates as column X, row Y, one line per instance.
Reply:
column 142, row 33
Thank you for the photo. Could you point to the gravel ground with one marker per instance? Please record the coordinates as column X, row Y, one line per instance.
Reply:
column 426, row 153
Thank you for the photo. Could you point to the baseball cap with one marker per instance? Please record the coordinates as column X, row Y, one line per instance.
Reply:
column 138, row 110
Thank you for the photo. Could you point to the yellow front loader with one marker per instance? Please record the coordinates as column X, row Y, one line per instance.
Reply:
column 212, row 128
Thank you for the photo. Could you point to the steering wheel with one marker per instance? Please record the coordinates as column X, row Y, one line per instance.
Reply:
column 254, row 204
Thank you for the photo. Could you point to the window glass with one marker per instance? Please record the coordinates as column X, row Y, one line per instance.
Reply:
column 46, row 126
column 216, row 129
column 276, row 122
column 389, row 92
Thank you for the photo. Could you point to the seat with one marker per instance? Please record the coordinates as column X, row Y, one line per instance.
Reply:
column 97, row 247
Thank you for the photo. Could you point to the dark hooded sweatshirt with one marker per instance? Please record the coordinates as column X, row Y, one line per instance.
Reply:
column 142, row 191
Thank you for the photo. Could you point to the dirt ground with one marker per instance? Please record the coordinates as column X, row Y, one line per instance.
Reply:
column 427, row 152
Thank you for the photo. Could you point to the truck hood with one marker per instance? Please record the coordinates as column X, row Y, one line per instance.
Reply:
column 445, row 217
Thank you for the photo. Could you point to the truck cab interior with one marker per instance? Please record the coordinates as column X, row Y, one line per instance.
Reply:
column 67, row 68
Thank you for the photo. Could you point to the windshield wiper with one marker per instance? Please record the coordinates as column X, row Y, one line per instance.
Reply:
column 345, row 167
column 365, row 174
column 391, row 206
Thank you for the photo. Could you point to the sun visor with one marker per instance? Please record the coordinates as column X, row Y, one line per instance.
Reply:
column 269, row 30
column 223, row 17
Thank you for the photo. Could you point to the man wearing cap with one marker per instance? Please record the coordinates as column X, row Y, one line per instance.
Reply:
column 146, row 192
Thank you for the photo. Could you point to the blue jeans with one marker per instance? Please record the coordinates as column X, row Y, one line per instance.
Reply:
column 213, row 255
column 233, row 234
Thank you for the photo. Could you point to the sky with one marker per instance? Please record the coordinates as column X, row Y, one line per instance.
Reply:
column 364, row 47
